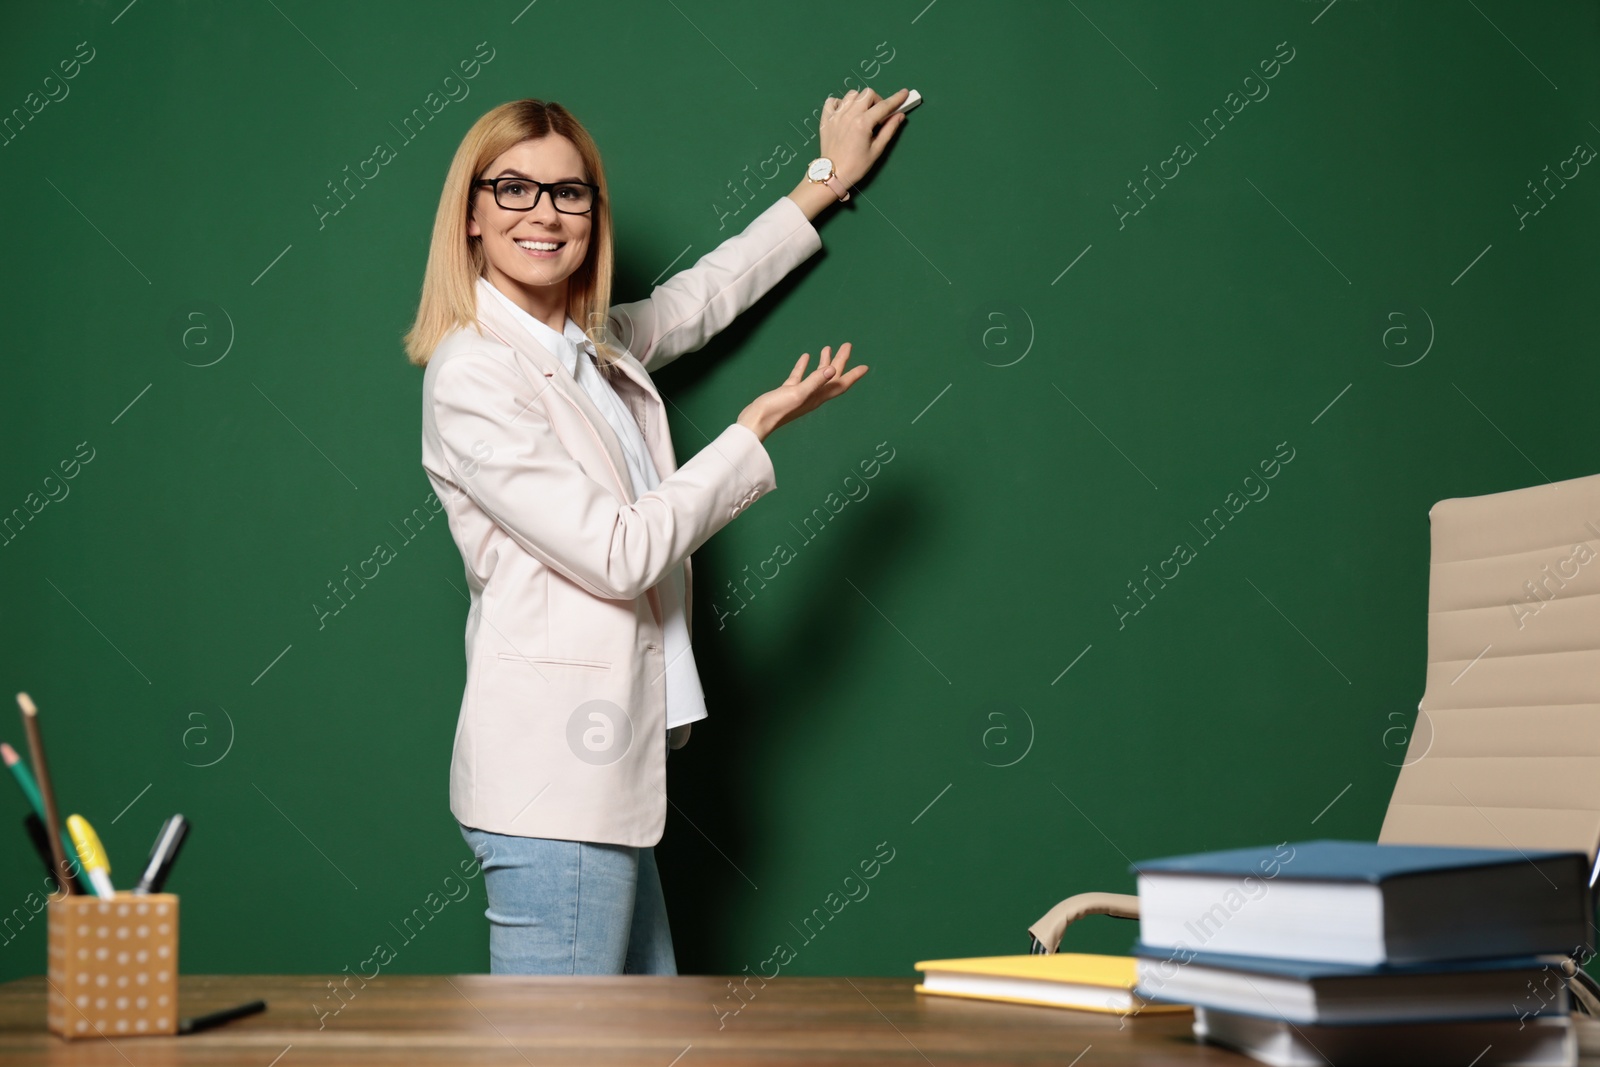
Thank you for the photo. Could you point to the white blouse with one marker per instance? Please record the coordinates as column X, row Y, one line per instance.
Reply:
column 686, row 701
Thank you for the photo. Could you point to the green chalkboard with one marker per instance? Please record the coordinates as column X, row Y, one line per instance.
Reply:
column 1180, row 317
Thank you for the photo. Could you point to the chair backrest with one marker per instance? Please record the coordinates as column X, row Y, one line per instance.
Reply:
column 1506, row 749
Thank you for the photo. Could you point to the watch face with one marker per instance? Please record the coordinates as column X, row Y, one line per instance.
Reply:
column 820, row 169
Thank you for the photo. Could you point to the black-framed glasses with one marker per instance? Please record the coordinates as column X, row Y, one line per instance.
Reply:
column 523, row 194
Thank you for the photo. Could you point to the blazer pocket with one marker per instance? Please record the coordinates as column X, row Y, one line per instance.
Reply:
column 555, row 661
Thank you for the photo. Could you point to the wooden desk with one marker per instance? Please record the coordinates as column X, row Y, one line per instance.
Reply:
column 489, row 1021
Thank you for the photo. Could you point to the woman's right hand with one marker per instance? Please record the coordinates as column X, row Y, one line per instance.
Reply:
column 801, row 392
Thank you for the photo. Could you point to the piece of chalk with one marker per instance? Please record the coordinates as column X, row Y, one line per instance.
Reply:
column 912, row 100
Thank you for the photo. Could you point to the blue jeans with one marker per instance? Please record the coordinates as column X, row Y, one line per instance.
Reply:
column 572, row 907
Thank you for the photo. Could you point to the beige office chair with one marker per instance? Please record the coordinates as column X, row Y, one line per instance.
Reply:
column 1505, row 752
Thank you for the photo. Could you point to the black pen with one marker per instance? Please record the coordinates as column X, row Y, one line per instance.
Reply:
column 174, row 832
column 217, row 1018
column 41, row 842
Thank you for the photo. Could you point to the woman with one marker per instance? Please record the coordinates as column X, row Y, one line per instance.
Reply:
column 548, row 445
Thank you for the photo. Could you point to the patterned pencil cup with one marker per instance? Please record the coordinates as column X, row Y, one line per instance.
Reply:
column 113, row 965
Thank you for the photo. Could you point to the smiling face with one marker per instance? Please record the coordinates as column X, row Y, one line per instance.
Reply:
column 516, row 244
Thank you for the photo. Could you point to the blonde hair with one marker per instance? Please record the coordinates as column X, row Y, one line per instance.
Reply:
column 456, row 260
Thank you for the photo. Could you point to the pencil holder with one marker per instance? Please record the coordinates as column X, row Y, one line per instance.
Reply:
column 113, row 965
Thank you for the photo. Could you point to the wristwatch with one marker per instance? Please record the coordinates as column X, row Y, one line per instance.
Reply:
column 821, row 170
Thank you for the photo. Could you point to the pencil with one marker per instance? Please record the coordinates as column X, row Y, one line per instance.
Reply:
column 52, row 822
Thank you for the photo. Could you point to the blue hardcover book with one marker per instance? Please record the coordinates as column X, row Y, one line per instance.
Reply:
column 1362, row 903
column 1342, row 994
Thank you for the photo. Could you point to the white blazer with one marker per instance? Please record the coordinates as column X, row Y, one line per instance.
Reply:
column 562, row 728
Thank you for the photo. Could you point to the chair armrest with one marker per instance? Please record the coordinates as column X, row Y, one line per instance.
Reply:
column 1048, row 930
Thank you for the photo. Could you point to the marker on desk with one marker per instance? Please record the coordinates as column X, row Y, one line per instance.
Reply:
column 93, row 855
column 47, row 794
column 174, row 832
column 217, row 1018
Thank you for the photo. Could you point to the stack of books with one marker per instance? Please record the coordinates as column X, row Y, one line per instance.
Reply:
column 1343, row 952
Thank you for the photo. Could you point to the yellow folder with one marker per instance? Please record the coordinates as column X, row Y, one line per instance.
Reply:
column 1059, row 980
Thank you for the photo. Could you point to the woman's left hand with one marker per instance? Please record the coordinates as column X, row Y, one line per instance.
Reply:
column 847, row 126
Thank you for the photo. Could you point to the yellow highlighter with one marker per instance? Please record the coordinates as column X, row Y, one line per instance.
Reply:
column 92, row 854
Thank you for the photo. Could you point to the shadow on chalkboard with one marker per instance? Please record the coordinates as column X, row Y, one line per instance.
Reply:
column 716, row 803
column 718, row 796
